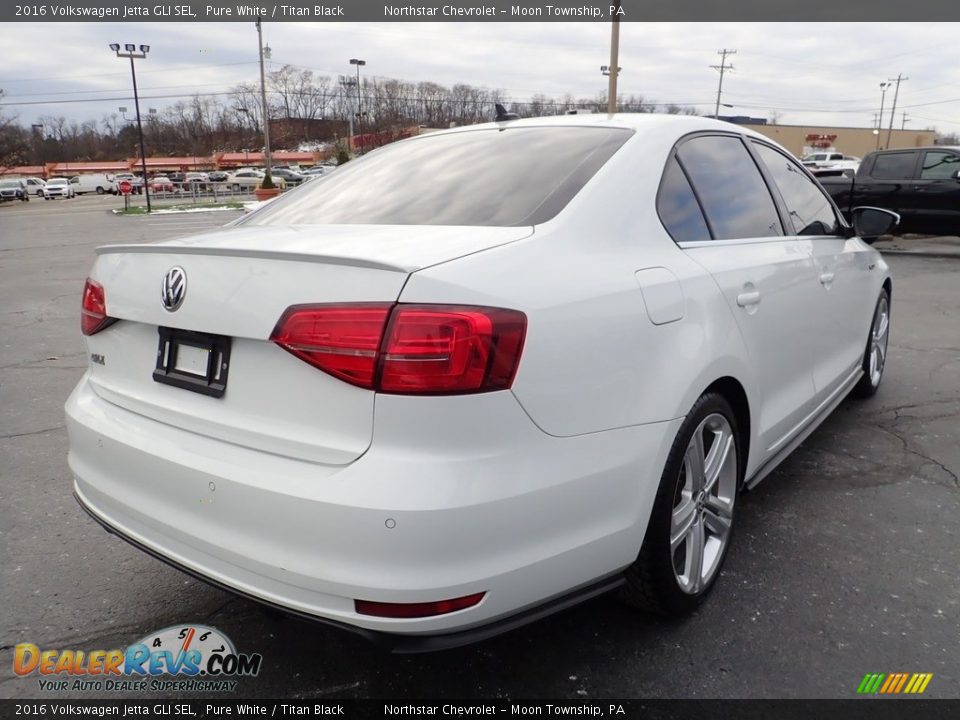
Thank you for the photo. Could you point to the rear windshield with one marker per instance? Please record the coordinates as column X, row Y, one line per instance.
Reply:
column 495, row 177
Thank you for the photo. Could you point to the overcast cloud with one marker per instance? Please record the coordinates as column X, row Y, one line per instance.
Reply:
column 826, row 74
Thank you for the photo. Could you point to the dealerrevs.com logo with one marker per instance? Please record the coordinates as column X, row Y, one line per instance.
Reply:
column 177, row 658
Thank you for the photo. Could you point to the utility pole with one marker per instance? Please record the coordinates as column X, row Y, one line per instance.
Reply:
column 359, row 63
column 263, row 98
column 893, row 110
column 614, row 59
column 722, row 67
column 346, row 83
column 903, row 125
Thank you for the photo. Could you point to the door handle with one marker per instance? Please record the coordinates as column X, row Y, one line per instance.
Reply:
column 826, row 278
column 746, row 299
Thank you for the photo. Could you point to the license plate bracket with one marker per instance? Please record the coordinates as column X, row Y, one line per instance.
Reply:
column 193, row 361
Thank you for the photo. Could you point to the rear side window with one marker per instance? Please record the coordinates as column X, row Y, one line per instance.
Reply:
column 810, row 211
column 735, row 197
column 894, row 166
column 678, row 207
column 939, row 165
column 493, row 177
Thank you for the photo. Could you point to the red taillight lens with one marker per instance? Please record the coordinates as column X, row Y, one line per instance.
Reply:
column 93, row 309
column 341, row 340
column 416, row 610
column 450, row 349
column 408, row 349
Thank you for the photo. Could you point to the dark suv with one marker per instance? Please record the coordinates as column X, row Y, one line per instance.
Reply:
column 14, row 189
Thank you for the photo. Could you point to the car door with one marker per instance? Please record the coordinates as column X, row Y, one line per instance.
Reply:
column 765, row 277
column 935, row 192
column 890, row 181
column 842, row 292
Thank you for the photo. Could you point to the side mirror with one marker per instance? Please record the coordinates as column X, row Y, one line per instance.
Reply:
column 872, row 222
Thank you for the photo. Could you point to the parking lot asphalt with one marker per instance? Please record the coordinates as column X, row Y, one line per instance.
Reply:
column 844, row 561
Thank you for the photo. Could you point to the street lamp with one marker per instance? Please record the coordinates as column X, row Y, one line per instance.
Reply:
column 358, row 63
column 38, row 140
column 883, row 95
column 130, row 51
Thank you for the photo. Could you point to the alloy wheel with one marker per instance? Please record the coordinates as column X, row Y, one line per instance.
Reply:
column 703, row 504
column 879, row 336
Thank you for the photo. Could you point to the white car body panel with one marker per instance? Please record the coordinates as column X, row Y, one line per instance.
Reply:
column 301, row 490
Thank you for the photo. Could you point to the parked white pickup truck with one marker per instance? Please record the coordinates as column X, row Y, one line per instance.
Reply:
column 832, row 162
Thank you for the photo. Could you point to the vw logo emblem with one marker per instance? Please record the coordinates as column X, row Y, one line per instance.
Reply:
column 174, row 289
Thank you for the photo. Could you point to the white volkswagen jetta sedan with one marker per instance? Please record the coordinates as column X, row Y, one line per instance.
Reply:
column 478, row 375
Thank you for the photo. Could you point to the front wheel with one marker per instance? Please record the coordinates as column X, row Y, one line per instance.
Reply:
column 875, row 355
column 692, row 520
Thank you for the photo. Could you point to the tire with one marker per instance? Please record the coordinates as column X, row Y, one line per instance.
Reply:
column 667, row 578
column 99, row 191
column 875, row 354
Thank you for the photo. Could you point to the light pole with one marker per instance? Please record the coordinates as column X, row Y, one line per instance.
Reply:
column 130, row 51
column 263, row 98
column 358, row 63
column 883, row 96
column 38, row 143
column 152, row 112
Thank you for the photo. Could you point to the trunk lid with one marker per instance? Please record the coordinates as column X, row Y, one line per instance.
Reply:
column 239, row 281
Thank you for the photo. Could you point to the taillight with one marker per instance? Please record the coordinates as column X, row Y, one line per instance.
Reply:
column 339, row 339
column 450, row 349
column 93, row 310
column 408, row 349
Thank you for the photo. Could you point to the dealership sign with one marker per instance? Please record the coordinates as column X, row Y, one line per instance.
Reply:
column 820, row 141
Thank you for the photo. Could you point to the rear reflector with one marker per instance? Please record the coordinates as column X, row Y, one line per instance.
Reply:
column 93, row 308
column 416, row 610
column 408, row 349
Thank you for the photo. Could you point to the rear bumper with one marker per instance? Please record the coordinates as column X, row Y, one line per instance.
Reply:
column 400, row 644
column 495, row 507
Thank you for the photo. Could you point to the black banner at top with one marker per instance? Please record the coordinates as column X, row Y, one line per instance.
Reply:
column 478, row 11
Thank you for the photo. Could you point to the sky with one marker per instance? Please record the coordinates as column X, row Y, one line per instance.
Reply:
column 802, row 73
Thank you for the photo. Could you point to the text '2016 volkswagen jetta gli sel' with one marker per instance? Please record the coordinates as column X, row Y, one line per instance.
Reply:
column 478, row 375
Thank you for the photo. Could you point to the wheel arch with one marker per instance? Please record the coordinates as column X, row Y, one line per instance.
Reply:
column 734, row 393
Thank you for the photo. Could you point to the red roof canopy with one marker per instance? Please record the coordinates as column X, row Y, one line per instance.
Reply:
column 75, row 168
column 35, row 170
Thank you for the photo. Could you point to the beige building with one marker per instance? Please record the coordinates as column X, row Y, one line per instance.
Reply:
column 803, row 139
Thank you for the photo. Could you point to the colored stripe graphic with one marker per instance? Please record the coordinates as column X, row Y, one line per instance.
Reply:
column 870, row 683
column 894, row 683
column 899, row 687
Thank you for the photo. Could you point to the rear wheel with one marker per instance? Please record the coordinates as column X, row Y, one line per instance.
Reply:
column 875, row 355
column 692, row 520
column 99, row 191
